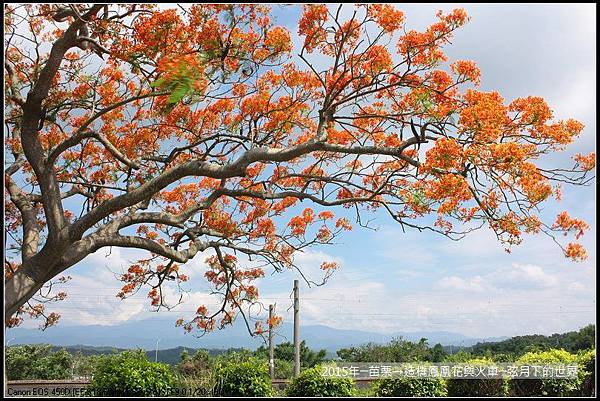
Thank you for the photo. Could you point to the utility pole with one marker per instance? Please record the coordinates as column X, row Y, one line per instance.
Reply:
column 271, row 345
column 296, row 330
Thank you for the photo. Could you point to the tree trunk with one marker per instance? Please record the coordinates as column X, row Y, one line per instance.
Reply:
column 18, row 289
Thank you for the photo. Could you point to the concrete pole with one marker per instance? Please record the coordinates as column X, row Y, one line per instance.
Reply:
column 271, row 345
column 296, row 330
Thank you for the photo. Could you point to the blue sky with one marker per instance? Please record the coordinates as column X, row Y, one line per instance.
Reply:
column 394, row 281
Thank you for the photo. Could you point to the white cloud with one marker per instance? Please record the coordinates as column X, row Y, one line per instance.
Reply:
column 474, row 284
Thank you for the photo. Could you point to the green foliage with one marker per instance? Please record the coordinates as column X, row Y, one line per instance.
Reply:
column 181, row 82
column 195, row 374
column 235, row 355
column 515, row 347
column 285, row 352
column 437, row 353
column 477, row 387
column 283, row 369
column 249, row 378
column 131, row 374
column 460, row 356
column 312, row 383
column 545, row 387
column 37, row 362
column 193, row 366
column 397, row 350
column 194, row 386
column 410, row 387
column 587, row 371
column 86, row 365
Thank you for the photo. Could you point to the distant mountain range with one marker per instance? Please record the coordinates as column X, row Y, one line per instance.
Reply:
column 145, row 334
column 171, row 355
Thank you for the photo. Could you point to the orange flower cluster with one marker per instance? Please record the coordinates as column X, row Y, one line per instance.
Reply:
column 376, row 60
column 274, row 321
column 284, row 204
column 388, row 17
column 446, row 154
column 311, row 25
column 324, row 234
column 484, row 115
column 278, row 40
column 561, row 133
column 452, row 188
column 531, row 110
column 567, row 223
column 424, row 48
column 534, row 184
column 467, row 70
column 299, row 223
column 264, row 228
column 576, row 252
column 329, row 266
column 506, row 154
column 342, row 222
column 456, row 18
column 154, row 296
column 588, row 162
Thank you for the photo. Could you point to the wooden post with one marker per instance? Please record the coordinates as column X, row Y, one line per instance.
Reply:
column 296, row 330
column 271, row 345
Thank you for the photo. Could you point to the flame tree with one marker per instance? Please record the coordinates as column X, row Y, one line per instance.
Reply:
column 201, row 129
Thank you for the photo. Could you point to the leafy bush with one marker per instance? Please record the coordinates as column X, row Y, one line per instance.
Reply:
column 545, row 387
column 197, row 365
column 397, row 350
column 248, row 378
column 199, row 386
column 86, row 365
column 37, row 362
column 477, row 387
column 587, row 371
column 285, row 352
column 284, row 369
column 410, row 387
column 311, row 383
column 131, row 374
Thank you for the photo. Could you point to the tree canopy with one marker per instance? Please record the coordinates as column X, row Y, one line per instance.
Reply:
column 185, row 130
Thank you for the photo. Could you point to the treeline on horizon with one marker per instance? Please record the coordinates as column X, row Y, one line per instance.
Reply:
column 397, row 350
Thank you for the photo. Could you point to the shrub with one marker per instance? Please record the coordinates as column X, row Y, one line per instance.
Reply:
column 37, row 362
column 284, row 369
column 410, row 387
column 311, row 383
column 477, row 387
column 587, row 371
column 199, row 386
column 249, row 378
column 197, row 365
column 131, row 374
column 545, row 387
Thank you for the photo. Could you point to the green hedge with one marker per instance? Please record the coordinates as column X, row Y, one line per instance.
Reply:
column 477, row 387
column 410, row 387
column 557, row 387
column 587, row 371
column 130, row 374
column 312, row 383
column 248, row 378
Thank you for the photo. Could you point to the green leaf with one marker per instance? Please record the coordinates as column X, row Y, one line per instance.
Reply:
column 158, row 82
column 179, row 92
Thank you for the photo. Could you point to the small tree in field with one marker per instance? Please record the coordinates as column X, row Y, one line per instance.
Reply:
column 200, row 129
